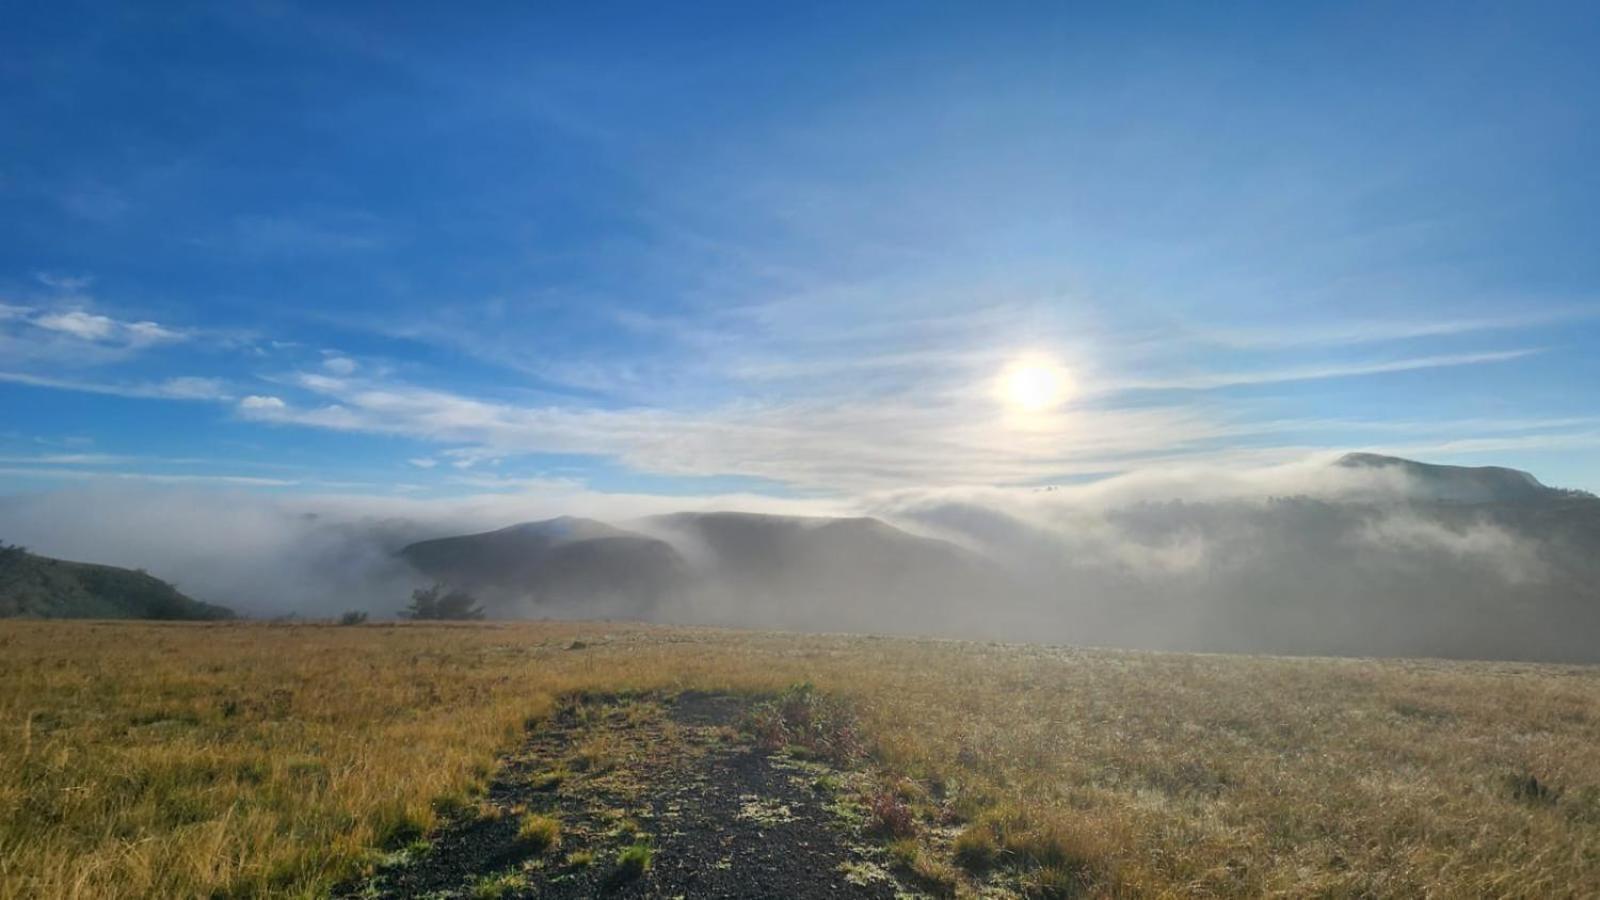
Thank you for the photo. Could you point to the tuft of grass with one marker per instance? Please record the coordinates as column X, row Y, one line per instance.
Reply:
column 1055, row 883
column 1529, row 789
column 595, row 755
column 975, row 848
column 904, row 852
column 936, row 876
column 827, row 783
column 397, row 827
column 933, row 875
column 1055, row 849
column 580, row 859
column 632, row 862
column 493, row 887
column 539, row 833
column 548, row 780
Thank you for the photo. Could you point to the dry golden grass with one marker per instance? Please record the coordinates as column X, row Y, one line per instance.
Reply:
column 170, row 760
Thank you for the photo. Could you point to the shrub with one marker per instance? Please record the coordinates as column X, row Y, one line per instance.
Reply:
column 437, row 604
column 888, row 815
column 803, row 717
column 353, row 617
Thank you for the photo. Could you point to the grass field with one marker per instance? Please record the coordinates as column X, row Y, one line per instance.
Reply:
column 176, row 760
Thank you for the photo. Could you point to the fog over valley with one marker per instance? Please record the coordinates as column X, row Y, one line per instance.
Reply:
column 1352, row 555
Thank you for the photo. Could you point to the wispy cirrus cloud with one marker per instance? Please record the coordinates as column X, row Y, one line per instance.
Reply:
column 321, row 232
column 1212, row 380
column 1336, row 333
column 69, row 283
column 69, row 459
column 817, row 393
column 147, row 477
column 180, row 388
column 831, row 446
column 801, row 445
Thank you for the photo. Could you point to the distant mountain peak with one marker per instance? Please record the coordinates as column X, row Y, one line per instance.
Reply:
column 563, row 528
column 1468, row 484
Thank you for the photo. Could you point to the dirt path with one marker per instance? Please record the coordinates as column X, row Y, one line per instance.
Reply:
column 669, row 784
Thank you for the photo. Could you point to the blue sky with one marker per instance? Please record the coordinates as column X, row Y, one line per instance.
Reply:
column 789, row 250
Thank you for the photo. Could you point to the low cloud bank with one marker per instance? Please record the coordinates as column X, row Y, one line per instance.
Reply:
column 1323, row 556
column 270, row 556
column 1312, row 558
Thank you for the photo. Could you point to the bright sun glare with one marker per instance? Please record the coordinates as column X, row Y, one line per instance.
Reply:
column 1035, row 385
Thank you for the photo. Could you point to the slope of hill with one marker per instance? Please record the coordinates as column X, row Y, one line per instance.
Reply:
column 731, row 568
column 832, row 574
column 545, row 566
column 38, row 586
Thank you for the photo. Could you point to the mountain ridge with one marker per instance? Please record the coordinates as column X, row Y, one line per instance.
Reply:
column 1420, row 559
column 37, row 586
column 1470, row 484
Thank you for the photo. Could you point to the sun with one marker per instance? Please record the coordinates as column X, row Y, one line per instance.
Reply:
column 1034, row 385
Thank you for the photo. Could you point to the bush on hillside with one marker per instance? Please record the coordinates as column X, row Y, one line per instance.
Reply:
column 435, row 604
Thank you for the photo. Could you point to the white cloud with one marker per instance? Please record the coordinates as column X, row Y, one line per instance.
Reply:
column 340, row 365
column 105, row 330
column 467, row 457
column 149, row 333
column 261, row 403
column 423, row 462
column 193, row 388
column 79, row 324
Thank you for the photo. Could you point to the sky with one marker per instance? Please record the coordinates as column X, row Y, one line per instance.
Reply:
column 790, row 251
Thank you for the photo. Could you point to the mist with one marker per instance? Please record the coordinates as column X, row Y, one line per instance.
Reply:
column 1317, row 557
column 310, row 556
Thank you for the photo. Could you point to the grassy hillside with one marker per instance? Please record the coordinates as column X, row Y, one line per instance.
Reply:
column 41, row 587
column 179, row 760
